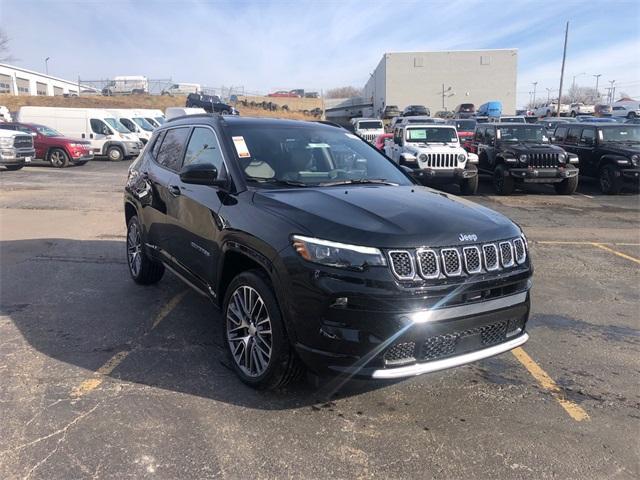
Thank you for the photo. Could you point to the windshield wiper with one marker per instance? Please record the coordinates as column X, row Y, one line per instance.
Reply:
column 277, row 181
column 359, row 181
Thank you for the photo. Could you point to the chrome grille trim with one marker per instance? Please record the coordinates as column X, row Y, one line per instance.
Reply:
column 445, row 267
column 427, row 251
column 509, row 262
column 490, row 267
column 393, row 264
column 519, row 251
column 466, row 251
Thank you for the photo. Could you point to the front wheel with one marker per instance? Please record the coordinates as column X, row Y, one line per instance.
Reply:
column 469, row 186
column 610, row 180
column 503, row 183
column 115, row 154
column 143, row 269
column 58, row 158
column 254, row 333
column 566, row 187
column 631, row 115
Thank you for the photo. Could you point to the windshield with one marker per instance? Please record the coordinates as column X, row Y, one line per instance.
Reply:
column 372, row 124
column 465, row 125
column 160, row 120
column 309, row 156
column 417, row 109
column 431, row 135
column 47, row 132
column 626, row 133
column 523, row 133
column 143, row 124
column 116, row 125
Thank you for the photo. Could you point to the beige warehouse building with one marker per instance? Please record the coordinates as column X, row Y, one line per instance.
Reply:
column 470, row 76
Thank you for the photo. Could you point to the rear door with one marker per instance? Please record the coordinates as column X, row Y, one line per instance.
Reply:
column 197, row 244
column 586, row 148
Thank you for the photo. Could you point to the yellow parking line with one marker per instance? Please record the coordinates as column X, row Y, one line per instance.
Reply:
column 615, row 252
column 111, row 364
column 545, row 381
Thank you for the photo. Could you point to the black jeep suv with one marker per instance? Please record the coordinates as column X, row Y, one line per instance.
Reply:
column 520, row 153
column 320, row 251
column 609, row 152
column 210, row 103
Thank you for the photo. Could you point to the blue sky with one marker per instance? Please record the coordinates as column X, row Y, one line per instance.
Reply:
column 267, row 45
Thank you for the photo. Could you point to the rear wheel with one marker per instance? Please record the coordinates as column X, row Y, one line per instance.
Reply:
column 115, row 154
column 58, row 158
column 610, row 180
column 254, row 333
column 503, row 183
column 143, row 269
column 14, row 167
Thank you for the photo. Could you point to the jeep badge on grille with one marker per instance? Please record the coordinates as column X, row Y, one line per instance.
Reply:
column 468, row 237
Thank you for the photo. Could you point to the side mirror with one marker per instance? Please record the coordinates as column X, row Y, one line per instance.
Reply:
column 201, row 174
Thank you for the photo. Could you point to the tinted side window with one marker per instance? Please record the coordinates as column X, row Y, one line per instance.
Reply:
column 156, row 145
column 588, row 136
column 203, row 148
column 489, row 134
column 560, row 133
column 573, row 135
column 170, row 154
column 480, row 133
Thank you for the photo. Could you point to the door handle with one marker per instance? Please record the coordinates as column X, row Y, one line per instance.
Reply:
column 174, row 190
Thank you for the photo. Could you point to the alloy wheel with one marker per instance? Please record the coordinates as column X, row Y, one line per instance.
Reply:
column 134, row 249
column 57, row 159
column 248, row 327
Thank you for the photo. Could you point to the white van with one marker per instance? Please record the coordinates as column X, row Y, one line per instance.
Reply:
column 182, row 89
column 173, row 112
column 108, row 137
column 134, row 122
column 153, row 116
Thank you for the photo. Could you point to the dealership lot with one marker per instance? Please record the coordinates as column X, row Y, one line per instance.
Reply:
column 101, row 377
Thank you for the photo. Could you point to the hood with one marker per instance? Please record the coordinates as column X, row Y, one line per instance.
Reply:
column 433, row 147
column 531, row 148
column 385, row 216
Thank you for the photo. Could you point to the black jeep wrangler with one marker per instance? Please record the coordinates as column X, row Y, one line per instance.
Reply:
column 210, row 103
column 609, row 152
column 520, row 153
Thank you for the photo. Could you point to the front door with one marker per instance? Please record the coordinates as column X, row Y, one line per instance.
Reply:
column 98, row 133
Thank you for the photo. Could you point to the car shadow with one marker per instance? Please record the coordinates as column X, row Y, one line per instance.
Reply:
column 74, row 302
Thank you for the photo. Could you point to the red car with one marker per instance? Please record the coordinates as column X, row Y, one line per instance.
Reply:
column 466, row 127
column 380, row 139
column 52, row 146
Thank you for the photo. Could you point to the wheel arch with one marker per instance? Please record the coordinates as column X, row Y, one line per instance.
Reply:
column 110, row 144
column 609, row 160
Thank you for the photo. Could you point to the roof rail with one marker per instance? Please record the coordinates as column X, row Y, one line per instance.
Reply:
column 209, row 115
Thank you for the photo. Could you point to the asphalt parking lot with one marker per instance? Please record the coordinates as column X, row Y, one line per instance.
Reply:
column 102, row 378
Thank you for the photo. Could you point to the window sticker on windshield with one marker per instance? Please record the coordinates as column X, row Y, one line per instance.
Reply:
column 417, row 134
column 351, row 135
column 241, row 147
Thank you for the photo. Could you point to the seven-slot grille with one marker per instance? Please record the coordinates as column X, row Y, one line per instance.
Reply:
column 23, row 141
column 442, row 160
column 369, row 137
column 431, row 263
column 543, row 160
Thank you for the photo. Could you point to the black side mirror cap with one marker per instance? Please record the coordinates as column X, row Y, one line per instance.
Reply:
column 202, row 174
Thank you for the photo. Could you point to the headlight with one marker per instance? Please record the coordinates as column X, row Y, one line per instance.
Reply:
column 423, row 157
column 561, row 157
column 462, row 157
column 635, row 159
column 335, row 254
column 6, row 142
column 524, row 158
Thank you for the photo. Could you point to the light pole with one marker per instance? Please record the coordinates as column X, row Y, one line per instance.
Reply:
column 573, row 85
column 534, row 92
column 598, row 75
column 612, row 92
column 549, row 90
column 46, row 65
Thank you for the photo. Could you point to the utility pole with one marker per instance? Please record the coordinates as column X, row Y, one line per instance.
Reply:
column 598, row 75
column 443, row 96
column 548, row 95
column 612, row 92
column 46, row 65
column 534, row 91
column 564, row 57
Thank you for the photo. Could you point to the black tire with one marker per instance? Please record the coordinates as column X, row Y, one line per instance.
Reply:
column 115, row 154
column 282, row 365
column 469, row 186
column 143, row 269
column 79, row 164
column 13, row 168
column 224, row 112
column 566, row 187
column 610, row 180
column 503, row 183
column 58, row 158
column 631, row 115
column 573, row 114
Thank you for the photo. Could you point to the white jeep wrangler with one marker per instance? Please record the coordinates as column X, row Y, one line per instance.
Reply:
column 434, row 154
column 367, row 128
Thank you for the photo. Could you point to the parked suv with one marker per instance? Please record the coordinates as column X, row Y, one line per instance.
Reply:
column 465, row 110
column 521, row 153
column 415, row 110
column 610, row 152
column 319, row 251
column 210, row 103
column 52, row 146
column 434, row 155
column 16, row 149
column 367, row 128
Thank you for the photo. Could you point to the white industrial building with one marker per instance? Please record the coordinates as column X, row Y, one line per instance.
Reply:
column 20, row 81
column 449, row 77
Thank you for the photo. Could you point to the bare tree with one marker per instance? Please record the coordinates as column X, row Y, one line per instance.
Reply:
column 5, row 56
column 344, row 92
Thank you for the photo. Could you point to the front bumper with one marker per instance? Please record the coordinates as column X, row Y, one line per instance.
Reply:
column 444, row 175
column 543, row 175
column 631, row 174
column 13, row 156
